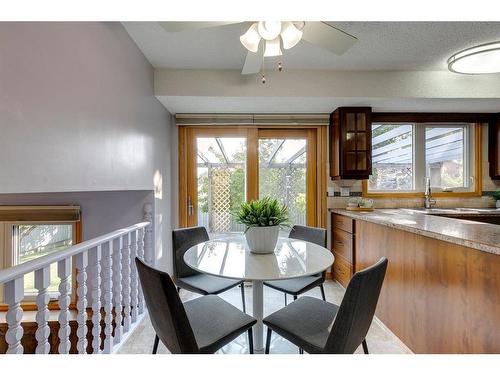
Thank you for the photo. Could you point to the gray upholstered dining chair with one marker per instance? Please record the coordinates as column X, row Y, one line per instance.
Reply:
column 301, row 285
column 316, row 326
column 201, row 325
column 187, row 278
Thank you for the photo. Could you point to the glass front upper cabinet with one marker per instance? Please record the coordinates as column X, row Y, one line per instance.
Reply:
column 350, row 147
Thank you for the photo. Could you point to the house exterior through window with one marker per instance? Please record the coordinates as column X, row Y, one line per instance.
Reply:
column 404, row 155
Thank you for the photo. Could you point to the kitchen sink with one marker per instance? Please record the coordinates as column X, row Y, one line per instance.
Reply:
column 482, row 215
column 456, row 211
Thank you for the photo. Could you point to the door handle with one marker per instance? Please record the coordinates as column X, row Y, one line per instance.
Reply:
column 189, row 207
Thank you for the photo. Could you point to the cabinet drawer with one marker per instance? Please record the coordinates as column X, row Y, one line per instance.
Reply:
column 343, row 222
column 342, row 270
column 342, row 243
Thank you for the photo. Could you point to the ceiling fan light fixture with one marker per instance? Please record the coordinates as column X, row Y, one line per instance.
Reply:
column 273, row 48
column 482, row 59
column 269, row 30
column 251, row 38
column 290, row 35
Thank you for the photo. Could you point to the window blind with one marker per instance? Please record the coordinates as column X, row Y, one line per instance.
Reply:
column 40, row 213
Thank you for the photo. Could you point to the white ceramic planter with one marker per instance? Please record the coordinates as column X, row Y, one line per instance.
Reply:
column 262, row 240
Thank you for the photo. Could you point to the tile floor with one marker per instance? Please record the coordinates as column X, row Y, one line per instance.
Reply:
column 380, row 340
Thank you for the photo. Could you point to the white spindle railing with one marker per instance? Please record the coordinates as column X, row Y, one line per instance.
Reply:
column 140, row 254
column 134, row 292
column 117, row 288
column 106, row 266
column 126, row 283
column 42, row 282
column 81, row 262
column 95, row 266
column 14, row 293
column 64, row 272
column 107, row 274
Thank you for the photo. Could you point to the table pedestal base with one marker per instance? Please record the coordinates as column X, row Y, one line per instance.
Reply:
column 258, row 313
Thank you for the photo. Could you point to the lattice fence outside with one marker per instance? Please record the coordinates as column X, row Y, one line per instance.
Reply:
column 287, row 184
column 220, row 195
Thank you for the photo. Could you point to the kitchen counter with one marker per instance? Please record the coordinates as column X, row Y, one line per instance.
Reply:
column 443, row 273
column 476, row 235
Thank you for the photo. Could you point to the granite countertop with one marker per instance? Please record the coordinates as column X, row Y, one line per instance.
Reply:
column 480, row 236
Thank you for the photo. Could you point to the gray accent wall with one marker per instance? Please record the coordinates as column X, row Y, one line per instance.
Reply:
column 78, row 115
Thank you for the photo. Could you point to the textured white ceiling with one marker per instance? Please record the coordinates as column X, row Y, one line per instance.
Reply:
column 381, row 46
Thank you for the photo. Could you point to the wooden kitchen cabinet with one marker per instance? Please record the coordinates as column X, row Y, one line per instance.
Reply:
column 494, row 148
column 350, row 143
column 343, row 248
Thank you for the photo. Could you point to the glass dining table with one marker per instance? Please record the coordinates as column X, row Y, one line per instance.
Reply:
column 230, row 258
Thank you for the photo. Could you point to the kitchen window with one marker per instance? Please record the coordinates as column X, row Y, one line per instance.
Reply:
column 405, row 154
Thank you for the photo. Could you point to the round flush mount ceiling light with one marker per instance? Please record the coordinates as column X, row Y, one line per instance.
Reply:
column 482, row 59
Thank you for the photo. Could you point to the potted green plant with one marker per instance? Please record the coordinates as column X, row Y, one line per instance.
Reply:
column 496, row 197
column 263, row 219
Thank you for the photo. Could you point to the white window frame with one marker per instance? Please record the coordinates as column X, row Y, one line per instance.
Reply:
column 419, row 159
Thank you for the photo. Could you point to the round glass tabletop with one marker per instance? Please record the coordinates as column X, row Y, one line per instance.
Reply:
column 230, row 258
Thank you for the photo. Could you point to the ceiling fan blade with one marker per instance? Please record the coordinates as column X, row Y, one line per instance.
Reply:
column 328, row 37
column 254, row 60
column 173, row 27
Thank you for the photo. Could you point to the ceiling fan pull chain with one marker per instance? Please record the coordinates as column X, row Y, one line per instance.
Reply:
column 263, row 79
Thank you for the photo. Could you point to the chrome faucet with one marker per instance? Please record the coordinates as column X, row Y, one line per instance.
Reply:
column 428, row 201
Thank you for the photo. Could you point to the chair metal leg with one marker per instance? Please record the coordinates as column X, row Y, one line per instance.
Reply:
column 365, row 346
column 295, row 297
column 155, row 345
column 286, row 302
column 250, row 341
column 322, row 292
column 268, row 339
column 242, row 286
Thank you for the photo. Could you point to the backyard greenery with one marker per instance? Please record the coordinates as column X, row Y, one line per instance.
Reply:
column 266, row 212
column 280, row 177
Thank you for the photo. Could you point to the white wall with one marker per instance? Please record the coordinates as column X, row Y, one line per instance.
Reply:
column 77, row 113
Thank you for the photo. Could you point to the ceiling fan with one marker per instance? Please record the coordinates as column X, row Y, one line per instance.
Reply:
column 267, row 38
